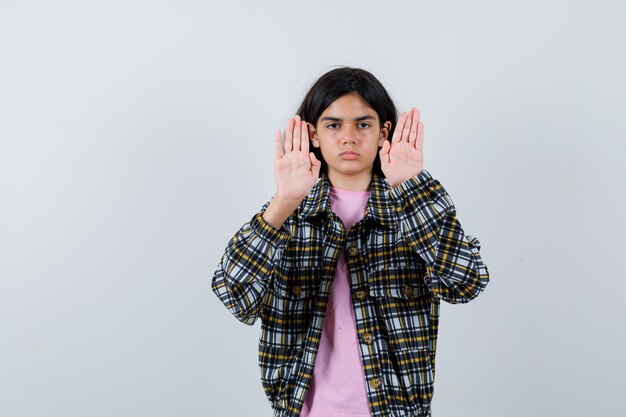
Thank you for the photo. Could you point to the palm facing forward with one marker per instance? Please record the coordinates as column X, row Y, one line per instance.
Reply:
column 403, row 158
column 295, row 168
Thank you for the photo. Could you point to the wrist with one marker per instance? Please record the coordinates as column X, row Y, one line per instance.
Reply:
column 286, row 202
column 395, row 182
column 280, row 209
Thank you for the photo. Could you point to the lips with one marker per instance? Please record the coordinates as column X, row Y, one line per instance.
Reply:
column 349, row 155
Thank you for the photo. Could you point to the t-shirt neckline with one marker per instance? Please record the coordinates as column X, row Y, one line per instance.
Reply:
column 340, row 191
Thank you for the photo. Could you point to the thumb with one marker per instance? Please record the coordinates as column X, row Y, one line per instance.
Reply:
column 384, row 151
column 315, row 164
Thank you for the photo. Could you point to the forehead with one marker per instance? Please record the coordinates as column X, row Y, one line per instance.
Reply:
column 348, row 107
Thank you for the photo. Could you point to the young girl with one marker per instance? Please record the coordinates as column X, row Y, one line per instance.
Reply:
column 348, row 262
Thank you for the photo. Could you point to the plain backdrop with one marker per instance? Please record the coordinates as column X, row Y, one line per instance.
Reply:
column 136, row 138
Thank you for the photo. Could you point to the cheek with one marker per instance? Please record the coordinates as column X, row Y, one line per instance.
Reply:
column 375, row 148
column 326, row 150
column 325, row 143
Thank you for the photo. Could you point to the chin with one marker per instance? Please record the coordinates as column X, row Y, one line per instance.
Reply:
column 352, row 170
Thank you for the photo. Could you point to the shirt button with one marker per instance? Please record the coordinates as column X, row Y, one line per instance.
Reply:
column 353, row 251
column 408, row 290
column 367, row 338
column 376, row 382
column 297, row 290
column 360, row 295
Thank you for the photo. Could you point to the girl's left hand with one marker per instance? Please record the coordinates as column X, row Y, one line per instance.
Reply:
column 403, row 158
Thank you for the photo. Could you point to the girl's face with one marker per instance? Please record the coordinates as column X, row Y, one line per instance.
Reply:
column 349, row 135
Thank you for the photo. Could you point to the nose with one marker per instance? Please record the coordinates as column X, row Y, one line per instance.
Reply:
column 349, row 135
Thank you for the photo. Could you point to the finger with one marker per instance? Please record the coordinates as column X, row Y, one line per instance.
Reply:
column 414, row 126
column 397, row 133
column 278, row 145
column 419, row 143
column 297, row 133
column 407, row 126
column 305, row 137
column 289, row 136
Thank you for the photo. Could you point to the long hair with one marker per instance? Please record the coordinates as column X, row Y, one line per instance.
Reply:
column 339, row 82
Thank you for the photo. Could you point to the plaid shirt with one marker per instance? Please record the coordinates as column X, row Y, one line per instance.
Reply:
column 407, row 253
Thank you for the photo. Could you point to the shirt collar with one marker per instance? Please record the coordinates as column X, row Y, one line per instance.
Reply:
column 378, row 209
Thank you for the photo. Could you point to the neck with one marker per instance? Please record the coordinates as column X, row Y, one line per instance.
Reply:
column 358, row 182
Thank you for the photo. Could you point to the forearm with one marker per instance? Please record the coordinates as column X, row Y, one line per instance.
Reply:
column 422, row 205
column 279, row 210
column 455, row 271
column 245, row 271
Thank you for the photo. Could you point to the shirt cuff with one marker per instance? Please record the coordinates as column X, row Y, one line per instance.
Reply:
column 406, row 191
column 268, row 232
column 473, row 240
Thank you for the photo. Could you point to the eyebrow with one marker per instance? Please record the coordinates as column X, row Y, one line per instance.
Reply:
column 336, row 119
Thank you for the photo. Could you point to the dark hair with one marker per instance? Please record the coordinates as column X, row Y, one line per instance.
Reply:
column 340, row 82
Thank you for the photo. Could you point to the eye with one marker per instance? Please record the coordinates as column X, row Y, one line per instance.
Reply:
column 332, row 125
column 364, row 125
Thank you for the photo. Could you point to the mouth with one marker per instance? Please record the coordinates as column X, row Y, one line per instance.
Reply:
column 349, row 155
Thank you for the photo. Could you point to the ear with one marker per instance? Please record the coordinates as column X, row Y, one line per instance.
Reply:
column 313, row 135
column 384, row 133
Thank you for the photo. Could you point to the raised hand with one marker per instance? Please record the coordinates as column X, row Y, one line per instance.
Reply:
column 403, row 158
column 296, row 171
column 295, row 168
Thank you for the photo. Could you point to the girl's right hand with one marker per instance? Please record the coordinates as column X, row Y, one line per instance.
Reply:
column 295, row 168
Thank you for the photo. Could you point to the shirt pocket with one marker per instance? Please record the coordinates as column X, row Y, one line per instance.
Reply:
column 404, row 306
column 288, row 307
column 405, row 283
column 297, row 283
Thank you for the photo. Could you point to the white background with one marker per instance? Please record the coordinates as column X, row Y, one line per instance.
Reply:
column 136, row 138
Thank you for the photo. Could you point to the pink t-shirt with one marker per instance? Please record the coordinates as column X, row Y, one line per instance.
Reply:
column 338, row 383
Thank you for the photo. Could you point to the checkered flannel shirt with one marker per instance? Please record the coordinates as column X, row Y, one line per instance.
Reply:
column 407, row 253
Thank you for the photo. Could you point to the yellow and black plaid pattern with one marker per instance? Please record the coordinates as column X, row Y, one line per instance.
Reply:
column 407, row 253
